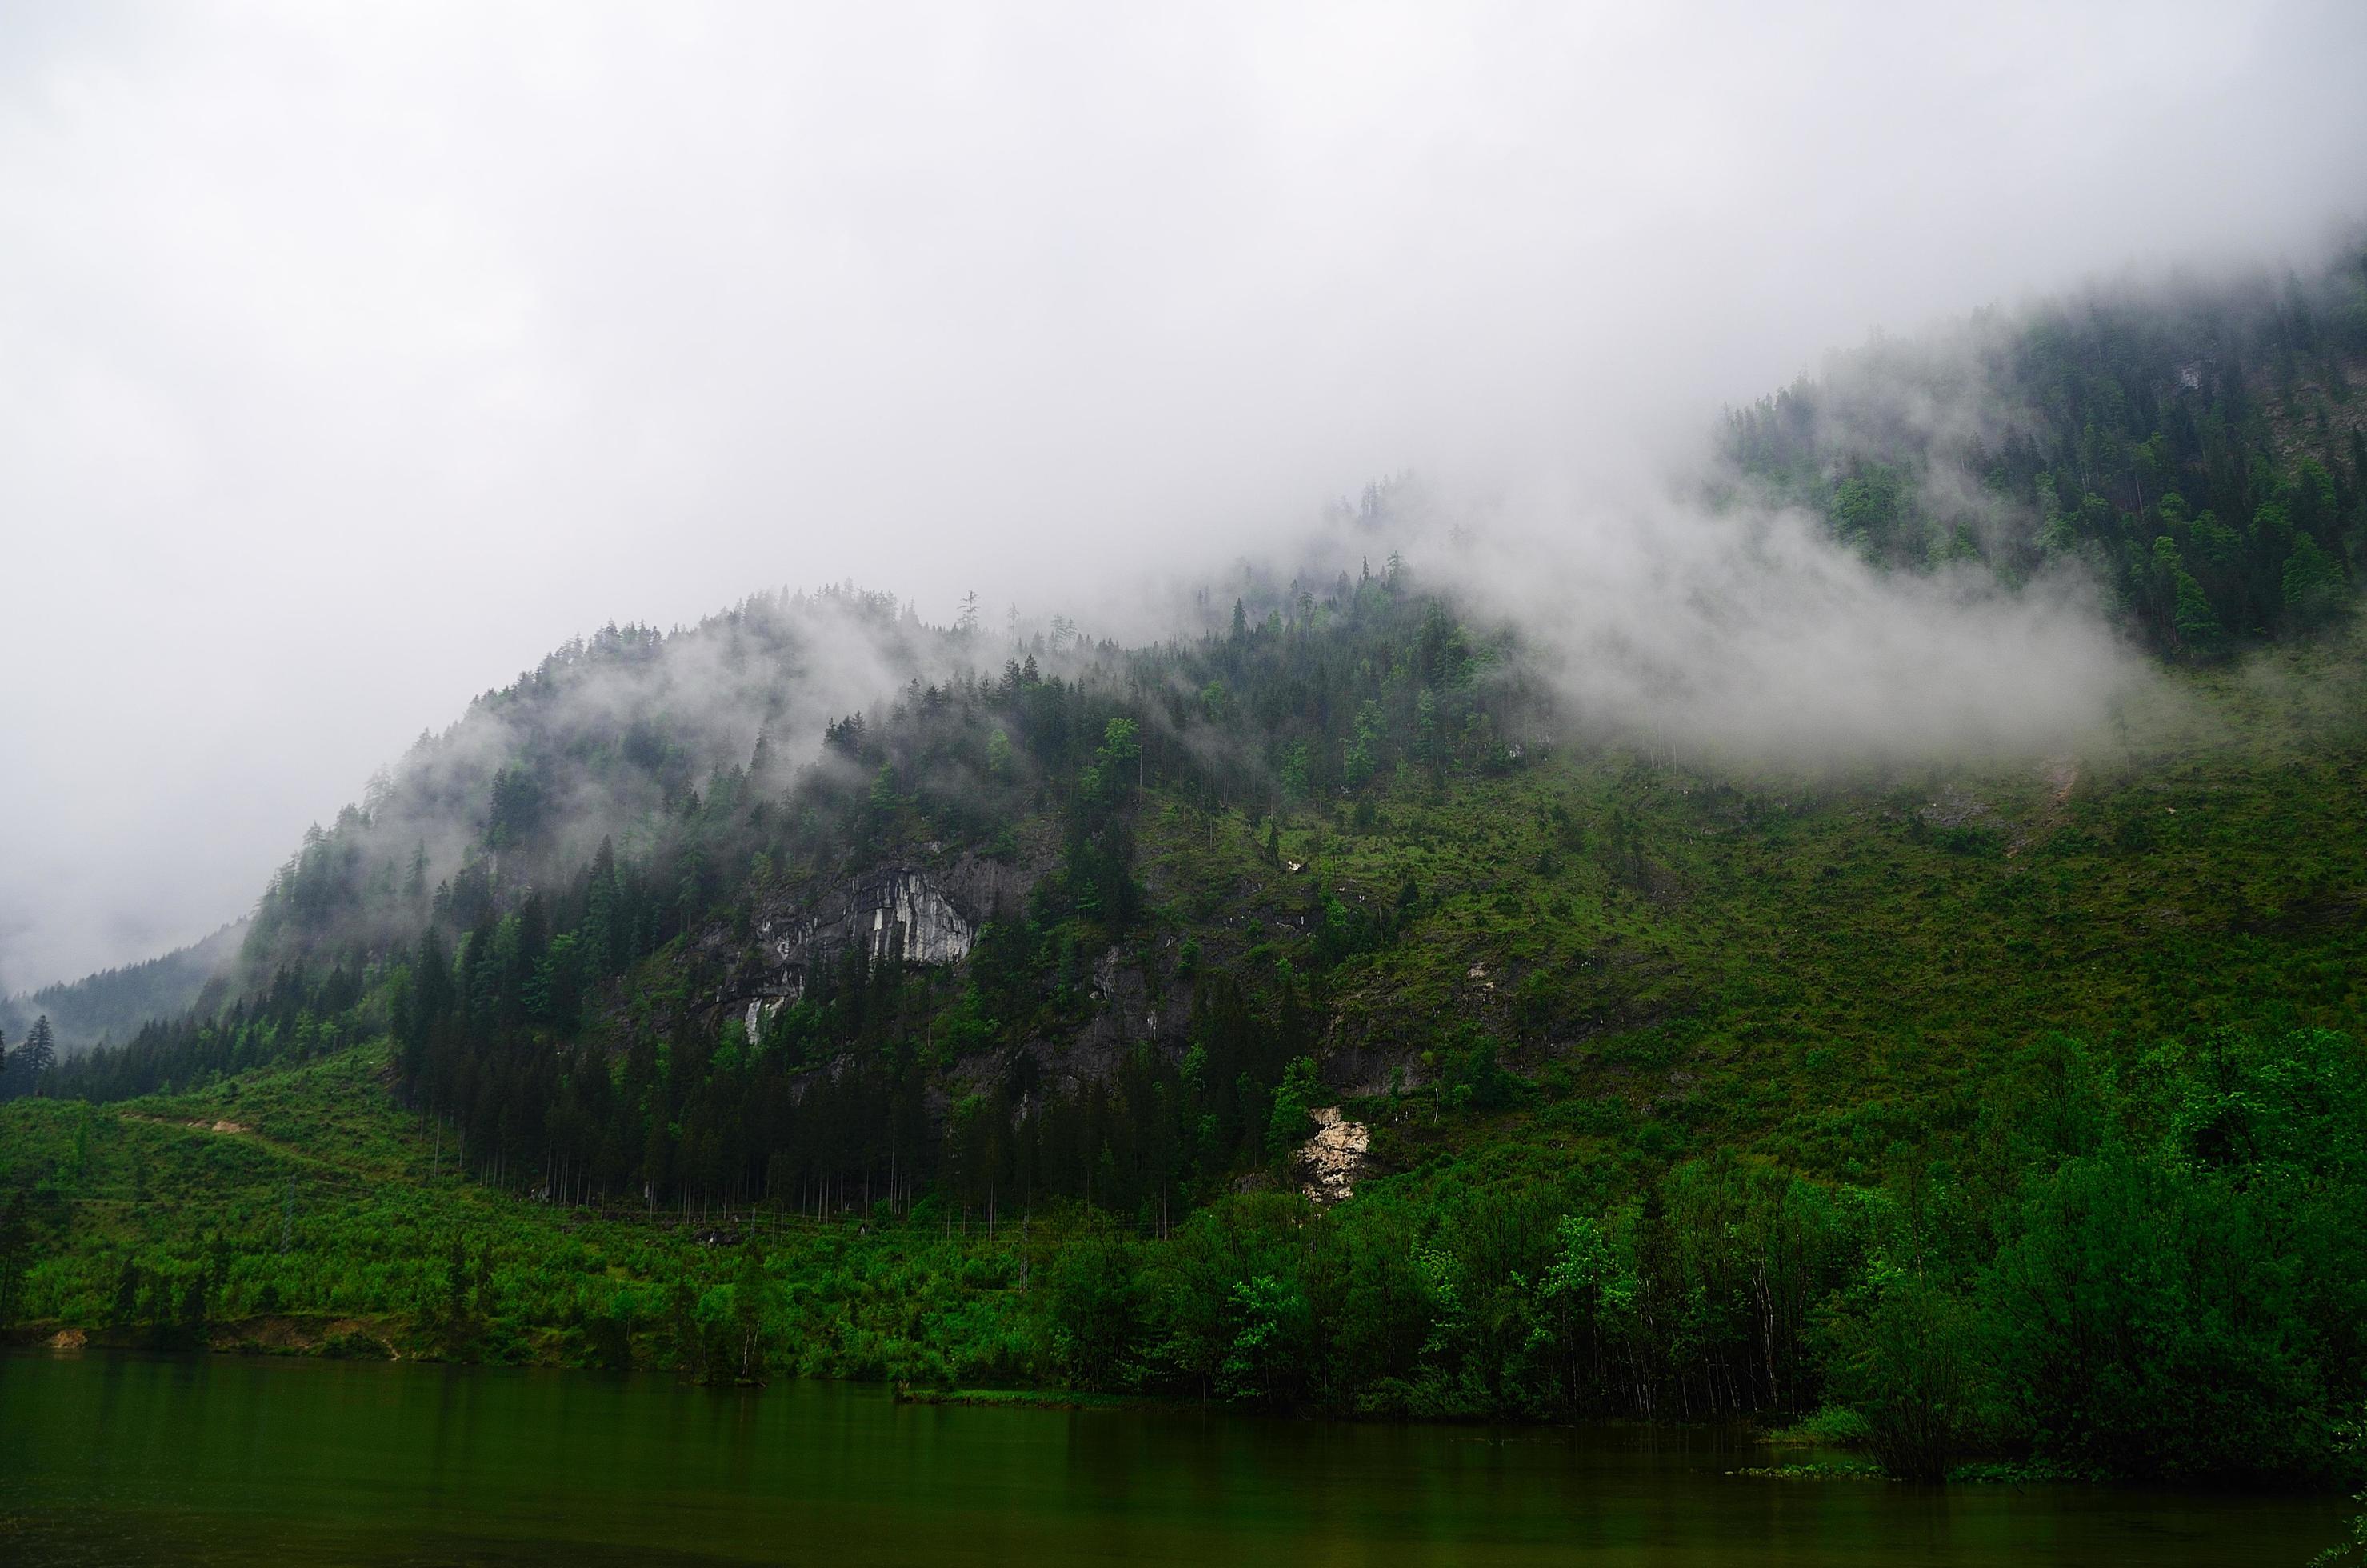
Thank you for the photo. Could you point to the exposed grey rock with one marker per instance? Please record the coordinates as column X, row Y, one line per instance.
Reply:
column 929, row 913
column 898, row 912
column 889, row 913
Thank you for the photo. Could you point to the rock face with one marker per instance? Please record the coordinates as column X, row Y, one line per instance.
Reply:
column 929, row 912
column 891, row 913
column 910, row 919
column 1334, row 1157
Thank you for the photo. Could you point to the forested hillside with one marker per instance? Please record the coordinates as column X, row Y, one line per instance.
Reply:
column 2197, row 447
column 114, row 1002
column 973, row 990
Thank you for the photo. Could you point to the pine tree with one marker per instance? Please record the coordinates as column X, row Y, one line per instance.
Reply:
column 38, row 1053
column 456, row 1291
column 15, row 1245
column 602, row 935
column 489, row 1304
column 126, row 1309
column 193, row 1309
column 2313, row 584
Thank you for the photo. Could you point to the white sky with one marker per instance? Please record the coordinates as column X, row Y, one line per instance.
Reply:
column 353, row 356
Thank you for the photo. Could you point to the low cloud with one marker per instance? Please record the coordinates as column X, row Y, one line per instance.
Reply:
column 1756, row 637
column 356, row 357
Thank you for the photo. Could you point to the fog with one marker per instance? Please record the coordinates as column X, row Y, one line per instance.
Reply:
column 351, row 358
column 1745, row 635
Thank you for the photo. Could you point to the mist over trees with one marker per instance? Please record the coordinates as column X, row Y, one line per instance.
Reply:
column 2198, row 448
column 557, row 933
column 114, row 1002
column 25, row 1069
column 522, row 942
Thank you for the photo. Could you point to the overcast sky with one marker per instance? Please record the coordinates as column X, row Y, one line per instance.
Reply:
column 353, row 356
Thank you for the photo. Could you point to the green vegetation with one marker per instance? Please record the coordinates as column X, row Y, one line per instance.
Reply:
column 306, row 1212
column 1761, row 1096
column 2199, row 453
column 1996, row 1112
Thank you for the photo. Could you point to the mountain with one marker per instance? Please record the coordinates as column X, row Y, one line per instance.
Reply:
column 113, row 1003
column 2196, row 447
column 981, row 989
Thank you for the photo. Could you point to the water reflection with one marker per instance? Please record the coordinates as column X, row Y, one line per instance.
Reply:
column 128, row 1459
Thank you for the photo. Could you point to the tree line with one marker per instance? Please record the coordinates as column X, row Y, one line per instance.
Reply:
column 2144, row 1271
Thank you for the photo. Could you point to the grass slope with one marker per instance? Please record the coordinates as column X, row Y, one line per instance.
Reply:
column 316, row 1207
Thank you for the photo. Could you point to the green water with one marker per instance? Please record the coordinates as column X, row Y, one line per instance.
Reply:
column 120, row 1460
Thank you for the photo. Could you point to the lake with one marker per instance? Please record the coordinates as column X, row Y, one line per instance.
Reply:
column 113, row 1460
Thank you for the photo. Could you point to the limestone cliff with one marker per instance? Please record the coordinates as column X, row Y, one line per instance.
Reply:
column 900, row 911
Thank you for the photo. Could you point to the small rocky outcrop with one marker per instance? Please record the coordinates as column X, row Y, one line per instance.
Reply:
column 1332, row 1160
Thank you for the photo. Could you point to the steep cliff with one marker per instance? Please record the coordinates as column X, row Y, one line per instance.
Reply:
column 898, row 912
